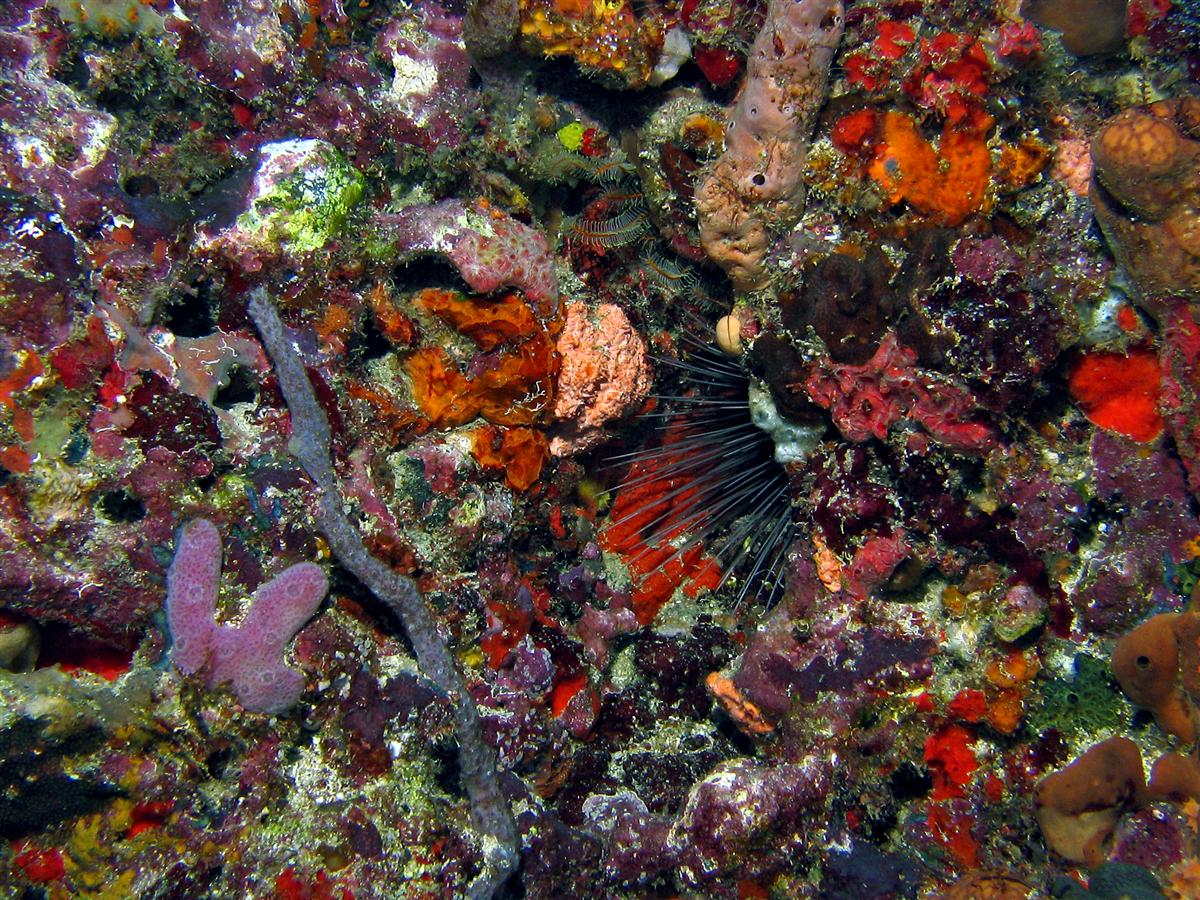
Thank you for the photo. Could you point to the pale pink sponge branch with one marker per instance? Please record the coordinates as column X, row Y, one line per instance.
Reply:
column 249, row 655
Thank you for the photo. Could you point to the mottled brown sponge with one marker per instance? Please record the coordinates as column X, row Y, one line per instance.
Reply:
column 1146, row 191
column 1140, row 157
column 1079, row 807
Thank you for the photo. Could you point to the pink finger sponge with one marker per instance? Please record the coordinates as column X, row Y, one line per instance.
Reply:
column 249, row 656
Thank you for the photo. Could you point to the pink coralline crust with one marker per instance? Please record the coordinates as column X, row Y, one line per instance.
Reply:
column 773, row 648
column 239, row 47
column 851, row 647
column 42, row 282
column 82, row 187
column 1073, row 165
column 96, row 594
column 1180, row 399
column 489, row 248
column 76, row 567
column 984, row 260
column 440, row 466
column 597, row 627
column 431, row 117
column 344, row 110
column 865, row 401
column 16, row 12
column 720, row 835
column 197, row 366
column 581, row 711
column 756, row 186
column 361, row 487
column 249, row 655
column 605, row 375
column 514, row 254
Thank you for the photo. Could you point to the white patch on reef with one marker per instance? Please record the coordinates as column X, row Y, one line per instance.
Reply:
column 412, row 84
column 280, row 161
column 1100, row 324
column 793, row 442
column 28, row 228
column 32, row 152
column 676, row 50
column 602, row 810
column 962, row 638
column 96, row 141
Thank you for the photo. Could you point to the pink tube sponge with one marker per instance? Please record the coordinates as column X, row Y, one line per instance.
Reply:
column 755, row 188
column 249, row 655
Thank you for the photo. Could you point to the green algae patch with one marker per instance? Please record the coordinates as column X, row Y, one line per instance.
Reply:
column 304, row 195
column 1086, row 705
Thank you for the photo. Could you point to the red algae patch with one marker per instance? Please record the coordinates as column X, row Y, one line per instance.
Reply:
column 1120, row 392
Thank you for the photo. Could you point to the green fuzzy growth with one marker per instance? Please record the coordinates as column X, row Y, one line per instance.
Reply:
column 1185, row 577
column 1087, row 705
column 410, row 481
column 303, row 212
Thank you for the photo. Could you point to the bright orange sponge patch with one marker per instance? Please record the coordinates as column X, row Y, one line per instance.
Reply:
column 948, row 183
column 517, row 452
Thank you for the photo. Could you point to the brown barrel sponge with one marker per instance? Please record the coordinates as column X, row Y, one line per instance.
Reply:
column 1175, row 778
column 1079, row 807
column 1146, row 664
column 1088, row 26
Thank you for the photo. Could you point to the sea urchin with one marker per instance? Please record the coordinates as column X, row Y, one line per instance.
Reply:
column 711, row 490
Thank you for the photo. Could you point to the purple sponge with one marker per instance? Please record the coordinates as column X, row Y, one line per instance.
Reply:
column 249, row 655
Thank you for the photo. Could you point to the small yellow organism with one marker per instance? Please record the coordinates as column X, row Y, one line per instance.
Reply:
column 571, row 136
column 605, row 9
column 1192, row 547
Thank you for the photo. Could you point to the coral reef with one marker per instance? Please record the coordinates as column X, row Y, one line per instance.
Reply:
column 311, row 445
column 947, row 184
column 542, row 448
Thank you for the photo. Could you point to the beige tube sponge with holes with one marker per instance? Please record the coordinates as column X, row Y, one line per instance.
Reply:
column 755, row 188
